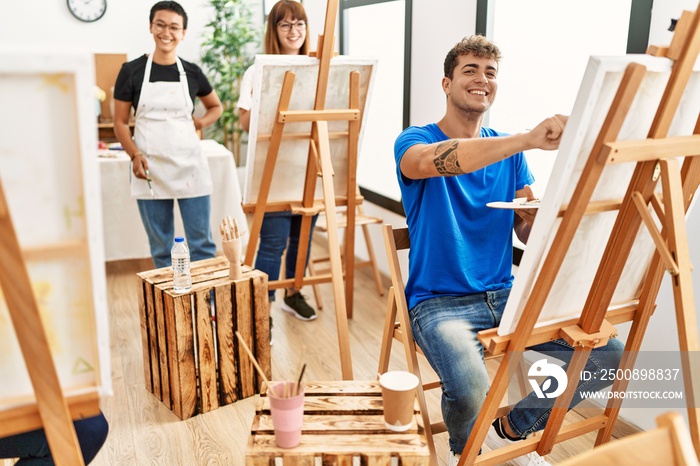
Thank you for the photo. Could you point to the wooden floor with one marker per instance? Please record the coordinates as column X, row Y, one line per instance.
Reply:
column 144, row 432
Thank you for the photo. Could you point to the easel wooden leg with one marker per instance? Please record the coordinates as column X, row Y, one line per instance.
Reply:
column 682, row 289
column 349, row 240
column 633, row 344
column 317, row 292
column 312, row 169
column 561, row 405
column 388, row 333
column 334, row 250
column 302, row 250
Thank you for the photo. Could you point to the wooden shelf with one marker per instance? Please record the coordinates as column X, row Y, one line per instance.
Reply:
column 105, row 131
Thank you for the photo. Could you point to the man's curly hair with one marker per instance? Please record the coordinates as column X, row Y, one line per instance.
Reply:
column 476, row 45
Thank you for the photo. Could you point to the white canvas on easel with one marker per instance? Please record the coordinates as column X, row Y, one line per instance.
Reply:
column 570, row 290
column 48, row 167
column 290, row 169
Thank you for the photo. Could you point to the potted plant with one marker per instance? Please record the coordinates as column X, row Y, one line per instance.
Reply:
column 230, row 42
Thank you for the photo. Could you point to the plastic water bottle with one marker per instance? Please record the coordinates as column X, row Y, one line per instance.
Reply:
column 180, row 255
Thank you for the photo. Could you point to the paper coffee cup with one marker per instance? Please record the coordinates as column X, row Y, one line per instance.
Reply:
column 398, row 397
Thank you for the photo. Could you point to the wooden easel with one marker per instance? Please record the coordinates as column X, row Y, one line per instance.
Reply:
column 52, row 411
column 654, row 158
column 319, row 162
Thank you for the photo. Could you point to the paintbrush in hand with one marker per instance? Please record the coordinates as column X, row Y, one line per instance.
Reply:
column 148, row 179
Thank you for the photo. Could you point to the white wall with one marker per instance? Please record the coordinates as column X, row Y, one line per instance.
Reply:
column 661, row 16
column 123, row 29
column 437, row 26
column 364, row 28
column 533, row 86
column 316, row 12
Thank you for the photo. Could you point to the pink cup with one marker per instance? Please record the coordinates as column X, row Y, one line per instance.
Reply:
column 287, row 413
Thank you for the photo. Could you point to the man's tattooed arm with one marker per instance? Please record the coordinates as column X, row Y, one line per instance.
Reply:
column 445, row 160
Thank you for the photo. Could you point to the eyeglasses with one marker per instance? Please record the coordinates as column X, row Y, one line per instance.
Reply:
column 160, row 27
column 285, row 26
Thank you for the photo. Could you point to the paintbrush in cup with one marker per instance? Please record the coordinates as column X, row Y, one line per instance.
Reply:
column 300, row 367
column 297, row 387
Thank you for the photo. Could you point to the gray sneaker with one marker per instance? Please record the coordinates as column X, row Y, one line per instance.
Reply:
column 297, row 306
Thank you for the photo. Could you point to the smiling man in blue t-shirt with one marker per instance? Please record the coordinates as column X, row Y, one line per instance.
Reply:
column 461, row 251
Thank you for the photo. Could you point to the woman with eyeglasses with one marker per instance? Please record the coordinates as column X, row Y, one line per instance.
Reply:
column 285, row 34
column 167, row 162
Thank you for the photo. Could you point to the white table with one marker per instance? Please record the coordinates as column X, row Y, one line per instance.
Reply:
column 124, row 235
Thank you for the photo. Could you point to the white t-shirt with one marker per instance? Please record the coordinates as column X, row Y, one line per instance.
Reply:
column 245, row 100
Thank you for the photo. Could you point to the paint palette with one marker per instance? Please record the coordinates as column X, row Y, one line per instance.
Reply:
column 517, row 203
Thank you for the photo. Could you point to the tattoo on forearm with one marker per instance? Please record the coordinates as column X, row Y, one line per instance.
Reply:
column 446, row 161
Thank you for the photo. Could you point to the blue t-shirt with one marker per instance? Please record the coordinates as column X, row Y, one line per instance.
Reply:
column 459, row 246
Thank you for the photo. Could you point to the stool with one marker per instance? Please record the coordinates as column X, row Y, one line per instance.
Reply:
column 342, row 420
column 191, row 357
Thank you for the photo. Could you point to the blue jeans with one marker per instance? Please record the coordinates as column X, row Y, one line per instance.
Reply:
column 32, row 448
column 445, row 328
column 278, row 229
column 158, row 220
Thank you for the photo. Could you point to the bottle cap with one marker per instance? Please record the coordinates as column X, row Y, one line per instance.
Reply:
column 179, row 239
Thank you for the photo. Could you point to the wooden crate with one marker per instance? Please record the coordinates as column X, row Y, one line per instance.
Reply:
column 342, row 420
column 191, row 356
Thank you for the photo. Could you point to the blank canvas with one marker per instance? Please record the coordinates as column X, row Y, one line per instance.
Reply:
column 571, row 287
column 290, row 169
column 48, row 166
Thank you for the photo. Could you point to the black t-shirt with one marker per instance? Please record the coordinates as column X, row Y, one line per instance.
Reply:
column 130, row 79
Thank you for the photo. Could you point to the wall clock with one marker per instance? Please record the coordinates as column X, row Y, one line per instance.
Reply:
column 87, row 10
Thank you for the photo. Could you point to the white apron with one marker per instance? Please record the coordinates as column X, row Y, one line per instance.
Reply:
column 165, row 134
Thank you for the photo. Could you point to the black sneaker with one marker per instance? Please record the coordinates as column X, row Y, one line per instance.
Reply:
column 297, row 306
